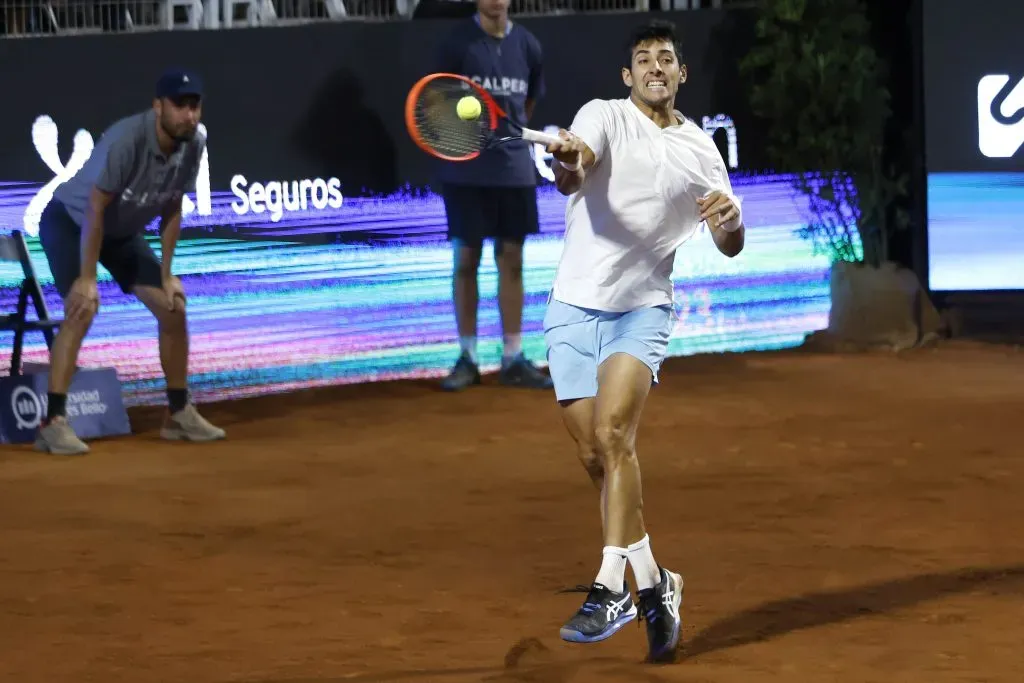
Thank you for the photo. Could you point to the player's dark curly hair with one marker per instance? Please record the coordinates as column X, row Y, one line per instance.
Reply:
column 654, row 30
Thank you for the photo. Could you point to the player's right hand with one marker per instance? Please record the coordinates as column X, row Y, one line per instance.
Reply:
column 83, row 300
column 568, row 149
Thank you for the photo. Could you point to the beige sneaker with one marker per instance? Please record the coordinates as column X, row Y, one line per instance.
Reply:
column 188, row 425
column 59, row 438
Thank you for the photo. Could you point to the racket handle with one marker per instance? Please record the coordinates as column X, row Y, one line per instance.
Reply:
column 538, row 137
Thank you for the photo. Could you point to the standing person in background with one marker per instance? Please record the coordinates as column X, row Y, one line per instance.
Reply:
column 494, row 196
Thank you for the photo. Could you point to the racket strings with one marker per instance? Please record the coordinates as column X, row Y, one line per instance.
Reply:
column 438, row 122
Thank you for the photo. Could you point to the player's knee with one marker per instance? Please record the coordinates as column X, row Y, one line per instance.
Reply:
column 593, row 463
column 510, row 261
column 172, row 321
column 467, row 262
column 77, row 326
column 466, row 270
column 613, row 441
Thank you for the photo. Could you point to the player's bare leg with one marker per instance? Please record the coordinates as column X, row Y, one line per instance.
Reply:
column 516, row 370
column 64, row 353
column 466, row 296
column 172, row 327
column 56, row 435
column 508, row 257
column 624, row 383
column 578, row 417
column 183, row 423
column 606, row 441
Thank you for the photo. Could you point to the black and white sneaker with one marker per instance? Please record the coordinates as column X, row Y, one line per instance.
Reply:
column 603, row 613
column 660, row 608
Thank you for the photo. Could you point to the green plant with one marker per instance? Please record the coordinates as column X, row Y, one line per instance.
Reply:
column 815, row 79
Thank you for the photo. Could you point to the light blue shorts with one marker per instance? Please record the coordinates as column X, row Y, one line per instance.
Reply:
column 580, row 339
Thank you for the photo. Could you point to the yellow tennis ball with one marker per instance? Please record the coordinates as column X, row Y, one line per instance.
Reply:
column 468, row 108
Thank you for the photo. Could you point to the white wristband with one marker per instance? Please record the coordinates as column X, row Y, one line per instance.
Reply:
column 733, row 224
column 572, row 167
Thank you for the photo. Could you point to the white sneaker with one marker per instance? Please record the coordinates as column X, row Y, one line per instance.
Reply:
column 59, row 438
column 188, row 425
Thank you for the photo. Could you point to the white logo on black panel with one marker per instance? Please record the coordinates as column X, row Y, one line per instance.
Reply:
column 1000, row 115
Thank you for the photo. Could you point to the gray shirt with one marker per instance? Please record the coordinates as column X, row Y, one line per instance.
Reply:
column 127, row 162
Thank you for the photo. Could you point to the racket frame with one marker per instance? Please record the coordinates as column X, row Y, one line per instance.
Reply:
column 492, row 110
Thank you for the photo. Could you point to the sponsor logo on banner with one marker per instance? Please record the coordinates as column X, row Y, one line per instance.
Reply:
column 94, row 406
column 27, row 407
column 1000, row 115
column 273, row 197
column 276, row 197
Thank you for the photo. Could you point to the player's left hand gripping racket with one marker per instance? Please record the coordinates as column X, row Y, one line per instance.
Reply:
column 435, row 126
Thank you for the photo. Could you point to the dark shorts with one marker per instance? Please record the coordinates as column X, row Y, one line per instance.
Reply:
column 129, row 260
column 474, row 213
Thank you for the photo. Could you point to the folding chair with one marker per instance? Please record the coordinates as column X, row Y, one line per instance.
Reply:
column 14, row 249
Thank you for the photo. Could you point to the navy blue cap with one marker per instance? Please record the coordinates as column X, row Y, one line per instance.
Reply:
column 179, row 83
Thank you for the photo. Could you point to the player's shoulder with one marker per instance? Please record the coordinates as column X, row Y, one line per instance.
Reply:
column 198, row 141
column 598, row 105
column 129, row 130
column 607, row 109
column 526, row 35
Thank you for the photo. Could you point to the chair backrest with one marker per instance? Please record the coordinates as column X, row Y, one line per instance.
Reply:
column 13, row 248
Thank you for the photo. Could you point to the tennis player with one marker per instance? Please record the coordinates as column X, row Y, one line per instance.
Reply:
column 138, row 171
column 641, row 179
column 493, row 196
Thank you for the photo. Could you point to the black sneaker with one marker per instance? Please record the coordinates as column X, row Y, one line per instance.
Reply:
column 660, row 608
column 603, row 613
column 519, row 372
column 464, row 374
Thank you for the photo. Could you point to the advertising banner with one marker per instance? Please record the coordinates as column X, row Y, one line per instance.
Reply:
column 95, row 407
column 324, row 104
column 974, row 132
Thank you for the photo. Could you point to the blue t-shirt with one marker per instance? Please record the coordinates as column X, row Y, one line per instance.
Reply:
column 510, row 70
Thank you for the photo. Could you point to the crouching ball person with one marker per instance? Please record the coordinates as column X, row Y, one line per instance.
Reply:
column 139, row 170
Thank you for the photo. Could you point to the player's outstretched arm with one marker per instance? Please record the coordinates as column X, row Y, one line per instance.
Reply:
column 580, row 150
column 572, row 160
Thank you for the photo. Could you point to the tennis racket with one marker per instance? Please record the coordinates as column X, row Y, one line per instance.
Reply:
column 434, row 124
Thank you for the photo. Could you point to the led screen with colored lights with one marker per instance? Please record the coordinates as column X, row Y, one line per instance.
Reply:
column 294, row 278
column 277, row 306
column 974, row 140
column 976, row 231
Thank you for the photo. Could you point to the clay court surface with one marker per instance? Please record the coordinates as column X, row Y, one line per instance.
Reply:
column 837, row 519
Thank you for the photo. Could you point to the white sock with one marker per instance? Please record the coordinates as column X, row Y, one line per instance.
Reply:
column 513, row 346
column 613, row 568
column 468, row 345
column 641, row 559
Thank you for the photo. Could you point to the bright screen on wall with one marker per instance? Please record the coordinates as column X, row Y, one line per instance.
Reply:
column 974, row 129
column 312, row 251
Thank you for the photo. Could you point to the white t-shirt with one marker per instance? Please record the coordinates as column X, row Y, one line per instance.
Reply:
column 638, row 204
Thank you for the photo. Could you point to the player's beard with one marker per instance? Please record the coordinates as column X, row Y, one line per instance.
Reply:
column 183, row 135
